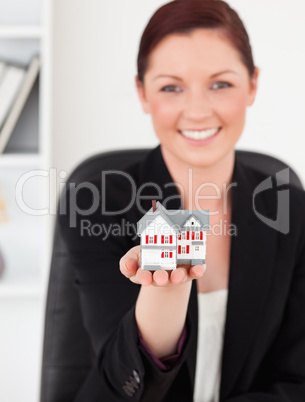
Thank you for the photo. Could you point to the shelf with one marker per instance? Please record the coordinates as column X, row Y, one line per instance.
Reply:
column 20, row 160
column 21, row 31
column 25, row 237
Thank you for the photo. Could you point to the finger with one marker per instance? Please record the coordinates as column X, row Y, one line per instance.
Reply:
column 133, row 253
column 197, row 271
column 144, row 277
column 134, row 280
column 178, row 275
column 160, row 277
column 129, row 263
column 130, row 267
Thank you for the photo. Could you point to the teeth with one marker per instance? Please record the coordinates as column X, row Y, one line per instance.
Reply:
column 199, row 135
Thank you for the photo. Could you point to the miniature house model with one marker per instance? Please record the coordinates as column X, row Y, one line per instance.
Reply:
column 171, row 237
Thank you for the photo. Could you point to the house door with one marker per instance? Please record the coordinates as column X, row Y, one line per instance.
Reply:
column 197, row 252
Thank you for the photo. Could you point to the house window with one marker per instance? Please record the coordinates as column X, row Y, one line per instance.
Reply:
column 192, row 223
column 168, row 239
column 197, row 235
column 183, row 250
column 196, row 248
column 183, row 235
column 167, row 254
column 151, row 239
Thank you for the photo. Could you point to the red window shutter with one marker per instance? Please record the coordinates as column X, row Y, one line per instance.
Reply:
column 179, row 249
column 155, row 239
column 179, row 236
column 171, row 239
column 146, row 239
column 162, row 239
column 162, row 254
column 170, row 254
column 201, row 235
column 187, row 235
column 187, row 249
column 193, row 235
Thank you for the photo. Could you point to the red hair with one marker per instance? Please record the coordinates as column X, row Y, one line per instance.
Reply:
column 183, row 16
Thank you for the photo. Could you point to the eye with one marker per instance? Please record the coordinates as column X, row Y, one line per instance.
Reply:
column 171, row 88
column 221, row 85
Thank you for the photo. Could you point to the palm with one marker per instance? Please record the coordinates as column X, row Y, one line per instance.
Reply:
column 129, row 266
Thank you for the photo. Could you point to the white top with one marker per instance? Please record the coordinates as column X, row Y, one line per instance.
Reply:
column 211, row 321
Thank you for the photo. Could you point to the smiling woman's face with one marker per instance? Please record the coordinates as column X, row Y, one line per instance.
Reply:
column 197, row 89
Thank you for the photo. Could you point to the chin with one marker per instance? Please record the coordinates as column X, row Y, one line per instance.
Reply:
column 206, row 159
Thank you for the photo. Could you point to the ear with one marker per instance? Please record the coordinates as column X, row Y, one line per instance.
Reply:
column 141, row 93
column 253, row 87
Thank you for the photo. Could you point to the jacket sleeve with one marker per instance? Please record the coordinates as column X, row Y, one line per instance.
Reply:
column 168, row 362
column 122, row 369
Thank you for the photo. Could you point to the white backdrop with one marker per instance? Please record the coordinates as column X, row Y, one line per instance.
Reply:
column 95, row 105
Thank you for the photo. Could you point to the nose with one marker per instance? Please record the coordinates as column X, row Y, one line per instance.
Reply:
column 197, row 106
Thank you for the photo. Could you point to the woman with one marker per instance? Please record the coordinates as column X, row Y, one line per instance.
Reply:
column 196, row 77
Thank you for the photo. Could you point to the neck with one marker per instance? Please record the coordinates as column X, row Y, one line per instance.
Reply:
column 206, row 187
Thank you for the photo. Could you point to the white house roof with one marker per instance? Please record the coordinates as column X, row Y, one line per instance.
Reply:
column 174, row 217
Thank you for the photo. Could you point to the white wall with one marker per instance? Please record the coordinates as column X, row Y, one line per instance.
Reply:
column 95, row 102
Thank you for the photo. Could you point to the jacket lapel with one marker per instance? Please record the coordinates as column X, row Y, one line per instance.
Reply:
column 251, row 268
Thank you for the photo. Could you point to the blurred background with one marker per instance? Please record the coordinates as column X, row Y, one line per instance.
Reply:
column 82, row 100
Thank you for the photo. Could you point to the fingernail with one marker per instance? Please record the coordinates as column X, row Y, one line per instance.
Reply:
column 199, row 272
column 127, row 269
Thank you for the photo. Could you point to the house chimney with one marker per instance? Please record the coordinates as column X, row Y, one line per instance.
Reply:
column 154, row 205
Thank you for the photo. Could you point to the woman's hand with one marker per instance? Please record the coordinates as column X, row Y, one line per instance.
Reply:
column 130, row 267
column 160, row 309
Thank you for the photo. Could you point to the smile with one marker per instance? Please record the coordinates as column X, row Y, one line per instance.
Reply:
column 200, row 135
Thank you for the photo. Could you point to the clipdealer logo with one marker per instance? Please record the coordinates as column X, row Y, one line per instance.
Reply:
column 64, row 198
column 53, row 181
column 281, row 223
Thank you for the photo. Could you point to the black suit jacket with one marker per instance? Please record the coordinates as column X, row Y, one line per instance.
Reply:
column 264, row 341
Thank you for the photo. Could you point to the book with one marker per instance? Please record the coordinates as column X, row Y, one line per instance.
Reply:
column 15, row 86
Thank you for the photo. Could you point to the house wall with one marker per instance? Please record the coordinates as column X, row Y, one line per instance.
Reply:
column 152, row 258
column 159, row 227
column 183, row 243
column 151, row 252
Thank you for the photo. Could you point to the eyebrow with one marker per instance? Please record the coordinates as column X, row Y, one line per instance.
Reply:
column 225, row 72
column 168, row 76
column 180, row 79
